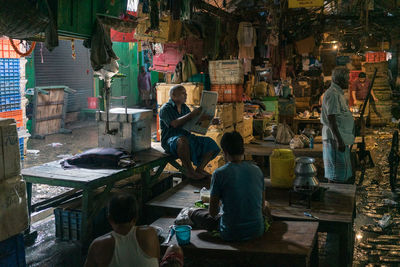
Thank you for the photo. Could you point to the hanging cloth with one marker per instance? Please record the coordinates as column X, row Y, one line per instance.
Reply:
column 247, row 40
column 188, row 67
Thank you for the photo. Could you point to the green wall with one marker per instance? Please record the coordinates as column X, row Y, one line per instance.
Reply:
column 129, row 60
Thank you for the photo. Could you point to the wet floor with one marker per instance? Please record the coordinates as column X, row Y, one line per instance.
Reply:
column 56, row 147
column 373, row 246
column 377, row 245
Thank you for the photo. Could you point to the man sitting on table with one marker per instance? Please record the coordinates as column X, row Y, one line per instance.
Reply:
column 239, row 185
column 129, row 245
column 179, row 142
column 338, row 129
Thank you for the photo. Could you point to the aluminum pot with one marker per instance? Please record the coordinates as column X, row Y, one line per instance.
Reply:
column 306, row 172
column 305, row 167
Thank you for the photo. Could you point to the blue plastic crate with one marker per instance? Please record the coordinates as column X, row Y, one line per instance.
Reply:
column 12, row 251
column 10, row 107
column 9, row 67
column 12, row 98
column 9, row 85
column 21, row 147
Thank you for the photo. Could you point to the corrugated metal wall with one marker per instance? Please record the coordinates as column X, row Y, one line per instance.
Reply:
column 59, row 68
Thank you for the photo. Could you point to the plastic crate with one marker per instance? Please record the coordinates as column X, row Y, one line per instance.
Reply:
column 9, row 85
column 12, row 251
column 15, row 114
column 9, row 67
column 6, row 50
column 12, row 98
column 375, row 56
column 21, row 147
column 69, row 224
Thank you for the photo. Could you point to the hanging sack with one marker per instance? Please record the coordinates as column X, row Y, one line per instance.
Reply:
column 284, row 134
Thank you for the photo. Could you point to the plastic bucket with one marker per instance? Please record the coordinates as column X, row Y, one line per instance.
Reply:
column 282, row 168
column 182, row 233
column 92, row 102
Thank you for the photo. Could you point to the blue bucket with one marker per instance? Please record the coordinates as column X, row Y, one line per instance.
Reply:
column 182, row 234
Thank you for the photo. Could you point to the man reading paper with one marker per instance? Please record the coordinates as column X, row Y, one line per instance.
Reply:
column 181, row 143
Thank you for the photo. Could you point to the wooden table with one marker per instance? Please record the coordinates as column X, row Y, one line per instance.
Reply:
column 88, row 180
column 297, row 121
column 336, row 213
column 265, row 148
column 287, row 243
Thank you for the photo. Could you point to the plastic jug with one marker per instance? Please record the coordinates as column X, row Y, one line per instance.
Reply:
column 282, row 168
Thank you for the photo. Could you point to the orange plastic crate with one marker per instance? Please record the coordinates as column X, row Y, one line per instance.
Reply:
column 14, row 114
column 6, row 50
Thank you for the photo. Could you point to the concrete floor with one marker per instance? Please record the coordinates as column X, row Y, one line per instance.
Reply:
column 47, row 251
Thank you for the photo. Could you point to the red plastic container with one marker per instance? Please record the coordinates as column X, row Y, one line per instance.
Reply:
column 14, row 114
column 6, row 50
column 93, row 103
column 375, row 56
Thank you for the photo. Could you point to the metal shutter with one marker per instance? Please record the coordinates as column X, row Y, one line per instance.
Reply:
column 58, row 68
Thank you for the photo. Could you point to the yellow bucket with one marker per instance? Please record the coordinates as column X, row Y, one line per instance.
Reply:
column 282, row 168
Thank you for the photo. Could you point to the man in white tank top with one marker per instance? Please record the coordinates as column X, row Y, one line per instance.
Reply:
column 128, row 245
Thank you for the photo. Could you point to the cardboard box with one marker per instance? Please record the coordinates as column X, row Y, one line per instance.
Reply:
column 238, row 110
column 219, row 161
column 247, row 126
column 13, row 207
column 10, row 159
column 225, row 113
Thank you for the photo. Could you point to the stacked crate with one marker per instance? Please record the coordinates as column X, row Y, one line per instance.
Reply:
column 12, row 73
column 227, row 78
column 380, row 113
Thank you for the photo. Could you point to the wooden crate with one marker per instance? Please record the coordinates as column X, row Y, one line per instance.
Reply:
column 49, row 109
column 226, row 72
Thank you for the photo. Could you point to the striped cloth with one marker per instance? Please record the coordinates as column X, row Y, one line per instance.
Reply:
column 337, row 164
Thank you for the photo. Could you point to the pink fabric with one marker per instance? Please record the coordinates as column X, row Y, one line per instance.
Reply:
column 167, row 61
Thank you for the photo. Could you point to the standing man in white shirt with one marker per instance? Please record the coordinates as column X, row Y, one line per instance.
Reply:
column 338, row 129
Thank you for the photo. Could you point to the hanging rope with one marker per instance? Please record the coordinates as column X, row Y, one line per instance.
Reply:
column 27, row 53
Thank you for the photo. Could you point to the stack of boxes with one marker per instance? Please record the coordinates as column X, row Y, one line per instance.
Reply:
column 13, row 202
column 12, row 88
column 380, row 113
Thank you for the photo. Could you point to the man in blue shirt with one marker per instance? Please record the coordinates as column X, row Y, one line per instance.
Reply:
column 239, row 186
column 180, row 143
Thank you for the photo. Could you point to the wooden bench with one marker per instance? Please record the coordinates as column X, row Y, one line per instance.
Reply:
column 287, row 243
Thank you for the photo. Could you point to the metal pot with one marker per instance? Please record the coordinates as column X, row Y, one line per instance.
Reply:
column 305, row 167
column 306, row 172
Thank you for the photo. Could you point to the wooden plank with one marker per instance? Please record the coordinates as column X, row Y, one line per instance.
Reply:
column 285, row 243
column 264, row 148
column 337, row 205
column 177, row 198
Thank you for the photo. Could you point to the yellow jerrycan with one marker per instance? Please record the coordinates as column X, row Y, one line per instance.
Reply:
column 281, row 164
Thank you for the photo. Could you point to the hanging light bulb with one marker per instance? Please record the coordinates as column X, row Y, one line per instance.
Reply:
column 335, row 46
